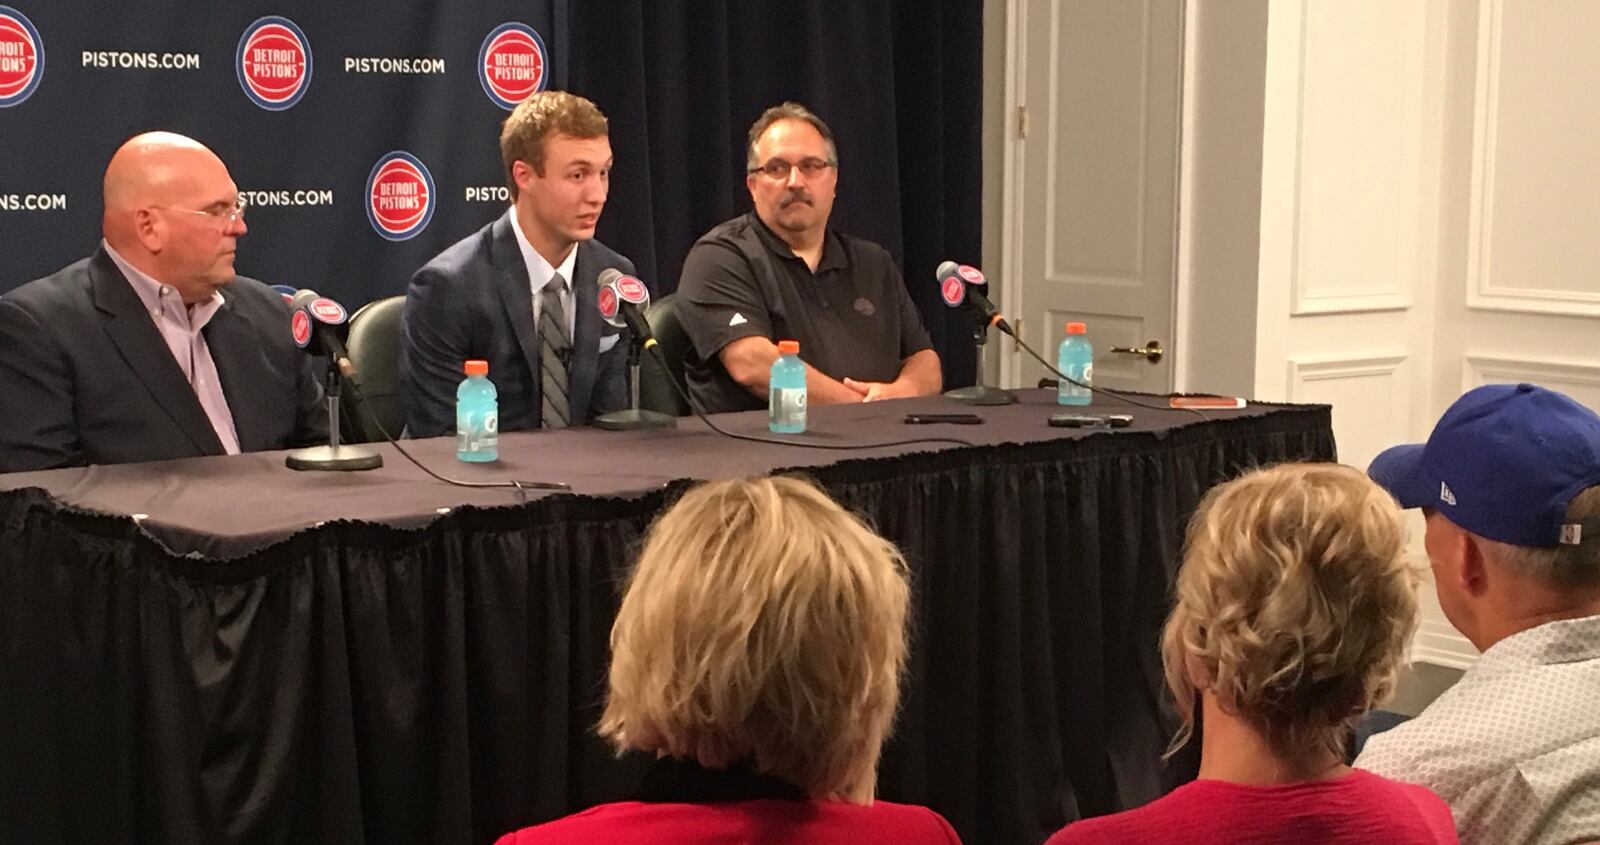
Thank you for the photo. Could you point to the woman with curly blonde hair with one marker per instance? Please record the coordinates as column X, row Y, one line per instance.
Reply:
column 757, row 655
column 1294, row 607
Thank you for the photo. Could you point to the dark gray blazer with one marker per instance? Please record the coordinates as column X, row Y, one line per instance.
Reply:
column 85, row 377
column 473, row 301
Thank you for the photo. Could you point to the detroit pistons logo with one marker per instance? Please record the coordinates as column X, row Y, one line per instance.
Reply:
column 274, row 63
column 513, row 63
column 971, row 274
column 328, row 311
column 608, row 302
column 399, row 196
column 21, row 57
column 300, row 325
column 632, row 290
column 953, row 291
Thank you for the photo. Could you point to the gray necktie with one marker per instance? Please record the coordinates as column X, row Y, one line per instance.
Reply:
column 555, row 344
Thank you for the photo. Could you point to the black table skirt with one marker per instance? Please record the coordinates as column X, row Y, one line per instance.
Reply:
column 417, row 677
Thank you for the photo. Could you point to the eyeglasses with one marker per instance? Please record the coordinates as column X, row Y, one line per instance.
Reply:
column 224, row 216
column 778, row 169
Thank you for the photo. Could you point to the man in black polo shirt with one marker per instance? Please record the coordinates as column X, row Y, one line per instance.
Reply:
column 780, row 273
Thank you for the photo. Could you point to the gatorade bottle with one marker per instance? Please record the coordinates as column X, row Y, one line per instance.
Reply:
column 786, row 392
column 477, row 416
column 1076, row 359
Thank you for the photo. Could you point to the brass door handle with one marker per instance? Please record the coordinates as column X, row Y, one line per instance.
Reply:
column 1151, row 351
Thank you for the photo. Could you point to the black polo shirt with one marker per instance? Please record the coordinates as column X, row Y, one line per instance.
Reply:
column 853, row 316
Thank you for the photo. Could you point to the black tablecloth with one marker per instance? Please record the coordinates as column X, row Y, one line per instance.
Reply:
column 269, row 656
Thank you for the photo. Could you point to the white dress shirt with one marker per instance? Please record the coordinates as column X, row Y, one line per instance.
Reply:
column 540, row 271
column 1514, row 746
column 181, row 326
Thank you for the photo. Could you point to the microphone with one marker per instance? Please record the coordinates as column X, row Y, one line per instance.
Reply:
column 961, row 286
column 319, row 319
column 622, row 300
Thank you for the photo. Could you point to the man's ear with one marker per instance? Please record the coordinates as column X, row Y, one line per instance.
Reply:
column 523, row 174
column 1471, row 573
column 150, row 230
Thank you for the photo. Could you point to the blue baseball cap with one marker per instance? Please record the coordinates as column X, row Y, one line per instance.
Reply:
column 1504, row 462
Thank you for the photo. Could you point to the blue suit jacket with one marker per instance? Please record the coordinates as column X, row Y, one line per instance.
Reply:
column 474, row 301
column 87, row 379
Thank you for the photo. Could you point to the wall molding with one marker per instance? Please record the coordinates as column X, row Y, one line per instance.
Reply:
column 1368, row 394
column 1439, row 643
column 1482, row 292
column 1478, row 370
column 1303, row 371
column 1306, row 299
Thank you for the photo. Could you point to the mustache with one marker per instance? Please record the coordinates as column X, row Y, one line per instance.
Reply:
column 797, row 195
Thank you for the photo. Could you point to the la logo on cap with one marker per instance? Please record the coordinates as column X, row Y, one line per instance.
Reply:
column 1445, row 495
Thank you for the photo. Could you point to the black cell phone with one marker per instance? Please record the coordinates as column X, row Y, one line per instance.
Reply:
column 958, row 419
column 1091, row 420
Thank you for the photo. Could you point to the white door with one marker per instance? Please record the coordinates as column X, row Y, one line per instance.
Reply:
column 1095, row 182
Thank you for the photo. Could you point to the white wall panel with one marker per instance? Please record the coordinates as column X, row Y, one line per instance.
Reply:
column 1356, row 197
column 1535, row 236
column 1371, row 399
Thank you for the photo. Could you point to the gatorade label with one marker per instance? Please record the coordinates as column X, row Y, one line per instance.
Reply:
column 472, row 436
column 788, row 407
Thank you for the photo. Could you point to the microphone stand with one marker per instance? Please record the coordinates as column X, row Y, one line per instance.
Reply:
column 333, row 456
column 980, row 394
column 635, row 419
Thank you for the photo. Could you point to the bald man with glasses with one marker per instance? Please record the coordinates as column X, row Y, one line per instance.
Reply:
column 780, row 273
column 153, row 347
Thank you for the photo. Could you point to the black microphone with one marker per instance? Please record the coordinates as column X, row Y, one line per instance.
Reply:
column 318, row 319
column 961, row 286
column 622, row 300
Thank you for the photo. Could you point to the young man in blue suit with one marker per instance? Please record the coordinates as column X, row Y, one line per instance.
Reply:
column 521, row 292
column 153, row 348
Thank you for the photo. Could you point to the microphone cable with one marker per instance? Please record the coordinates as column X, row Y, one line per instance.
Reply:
column 520, row 486
column 1125, row 396
column 951, row 270
column 653, row 347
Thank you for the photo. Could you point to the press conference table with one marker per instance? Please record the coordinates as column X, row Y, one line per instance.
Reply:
column 224, row 650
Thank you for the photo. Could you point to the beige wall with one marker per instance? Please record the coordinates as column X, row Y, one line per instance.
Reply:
column 1383, row 204
column 1517, row 243
column 1428, row 215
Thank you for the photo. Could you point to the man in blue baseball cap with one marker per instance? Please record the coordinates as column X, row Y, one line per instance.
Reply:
column 1509, row 483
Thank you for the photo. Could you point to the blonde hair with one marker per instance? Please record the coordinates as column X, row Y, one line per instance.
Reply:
column 542, row 114
column 1295, row 605
column 764, row 624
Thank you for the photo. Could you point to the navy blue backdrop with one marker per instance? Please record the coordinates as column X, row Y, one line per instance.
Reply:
column 899, row 81
column 303, row 148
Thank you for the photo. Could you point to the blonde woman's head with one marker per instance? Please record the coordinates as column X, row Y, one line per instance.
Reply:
column 763, row 625
column 1295, row 604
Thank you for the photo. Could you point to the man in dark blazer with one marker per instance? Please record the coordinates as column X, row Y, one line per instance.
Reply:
column 153, row 348
column 521, row 292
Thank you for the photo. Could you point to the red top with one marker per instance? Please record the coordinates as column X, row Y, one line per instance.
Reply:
column 1357, row 809
column 733, row 822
